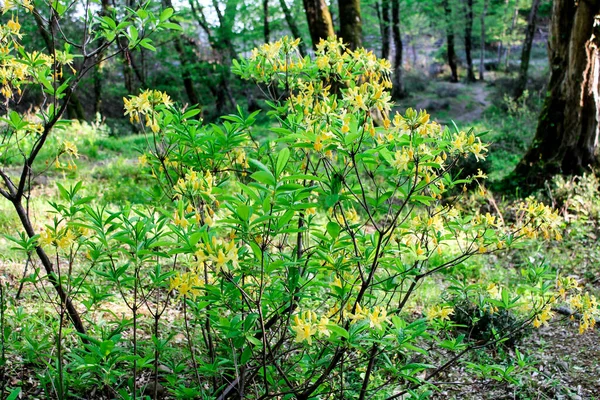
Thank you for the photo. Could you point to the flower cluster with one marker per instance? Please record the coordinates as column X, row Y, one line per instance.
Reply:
column 439, row 312
column 188, row 284
column 62, row 238
column 535, row 218
column 584, row 304
column 307, row 324
column 220, row 254
column 146, row 105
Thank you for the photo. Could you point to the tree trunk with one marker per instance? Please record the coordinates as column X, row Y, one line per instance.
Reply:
column 293, row 26
column 398, row 82
column 450, row 41
column 319, row 20
column 510, row 37
column 526, row 52
column 266, row 20
column 482, row 50
column 468, row 39
column 385, row 29
column 503, row 36
column 350, row 23
column 566, row 139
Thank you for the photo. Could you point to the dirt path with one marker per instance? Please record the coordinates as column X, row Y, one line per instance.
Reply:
column 479, row 94
column 447, row 101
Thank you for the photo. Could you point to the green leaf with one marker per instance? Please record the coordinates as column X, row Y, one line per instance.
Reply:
column 172, row 26
column 190, row 113
column 338, row 331
column 264, row 177
column 246, row 354
column 14, row 394
column 282, row 159
column 133, row 36
column 423, row 199
column 333, row 229
column 146, row 43
column 165, row 14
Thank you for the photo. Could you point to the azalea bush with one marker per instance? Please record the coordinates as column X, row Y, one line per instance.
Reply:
column 292, row 261
column 283, row 266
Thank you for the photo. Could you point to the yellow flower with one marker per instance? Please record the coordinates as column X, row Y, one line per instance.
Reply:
column 143, row 160
column 46, row 238
column 66, row 239
column 441, row 312
column 71, row 149
column 359, row 314
column 322, row 328
column 543, row 318
column 180, row 220
column 377, row 317
column 220, row 261
column 337, row 282
column 304, row 328
column 14, row 26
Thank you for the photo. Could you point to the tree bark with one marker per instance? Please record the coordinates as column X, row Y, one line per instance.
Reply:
column 266, row 20
column 510, row 36
column 468, row 39
column 482, row 50
column 319, row 20
column 526, row 52
column 385, row 29
column 398, row 81
column 566, row 139
column 451, row 54
column 350, row 23
column 293, row 26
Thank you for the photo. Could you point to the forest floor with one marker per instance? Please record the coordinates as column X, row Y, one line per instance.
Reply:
column 565, row 367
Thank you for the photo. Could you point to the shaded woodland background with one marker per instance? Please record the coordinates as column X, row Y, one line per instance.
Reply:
column 486, row 39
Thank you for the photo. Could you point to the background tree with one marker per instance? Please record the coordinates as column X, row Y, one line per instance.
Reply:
column 451, row 53
column 289, row 18
column 383, row 15
column 468, row 39
column 186, row 73
column 320, row 24
column 526, row 50
column 566, row 139
column 482, row 40
column 350, row 22
column 398, row 88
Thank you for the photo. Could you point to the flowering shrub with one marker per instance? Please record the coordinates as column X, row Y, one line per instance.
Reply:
column 295, row 259
column 284, row 267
